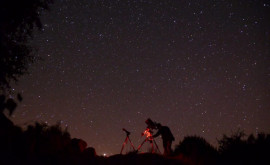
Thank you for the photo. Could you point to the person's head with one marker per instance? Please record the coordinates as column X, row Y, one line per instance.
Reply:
column 158, row 125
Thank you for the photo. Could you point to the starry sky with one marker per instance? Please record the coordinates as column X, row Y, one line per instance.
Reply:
column 200, row 67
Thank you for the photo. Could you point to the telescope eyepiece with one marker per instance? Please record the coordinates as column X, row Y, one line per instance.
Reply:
column 151, row 124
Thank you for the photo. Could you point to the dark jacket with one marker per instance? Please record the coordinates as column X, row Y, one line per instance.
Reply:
column 166, row 133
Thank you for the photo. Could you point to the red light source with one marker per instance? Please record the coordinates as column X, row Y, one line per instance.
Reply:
column 148, row 134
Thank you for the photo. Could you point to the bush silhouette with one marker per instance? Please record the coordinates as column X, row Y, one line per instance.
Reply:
column 41, row 144
column 197, row 150
column 235, row 149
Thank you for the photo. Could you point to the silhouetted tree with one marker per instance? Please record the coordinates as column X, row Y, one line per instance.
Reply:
column 17, row 21
column 9, row 104
column 235, row 140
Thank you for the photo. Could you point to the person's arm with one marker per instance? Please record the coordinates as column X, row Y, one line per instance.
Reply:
column 157, row 134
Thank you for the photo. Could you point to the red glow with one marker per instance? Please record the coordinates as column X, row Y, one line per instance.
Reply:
column 147, row 133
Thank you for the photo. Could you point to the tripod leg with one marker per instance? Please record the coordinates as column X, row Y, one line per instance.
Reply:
column 141, row 144
column 123, row 145
column 131, row 144
column 152, row 145
column 157, row 146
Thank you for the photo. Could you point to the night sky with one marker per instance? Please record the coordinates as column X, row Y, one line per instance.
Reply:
column 199, row 67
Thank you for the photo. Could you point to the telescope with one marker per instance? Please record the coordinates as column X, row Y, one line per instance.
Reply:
column 151, row 124
column 148, row 137
column 126, row 140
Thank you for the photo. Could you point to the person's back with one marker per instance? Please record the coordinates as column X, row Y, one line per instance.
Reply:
column 166, row 133
column 167, row 138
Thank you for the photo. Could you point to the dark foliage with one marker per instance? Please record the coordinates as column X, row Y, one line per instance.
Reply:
column 17, row 21
column 196, row 150
column 142, row 159
column 9, row 104
column 41, row 144
column 235, row 149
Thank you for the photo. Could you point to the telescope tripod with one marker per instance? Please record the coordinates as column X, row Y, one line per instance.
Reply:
column 152, row 142
column 126, row 140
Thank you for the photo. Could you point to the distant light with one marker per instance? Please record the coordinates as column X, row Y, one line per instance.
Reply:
column 104, row 154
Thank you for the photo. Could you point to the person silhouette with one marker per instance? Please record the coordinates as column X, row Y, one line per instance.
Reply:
column 167, row 138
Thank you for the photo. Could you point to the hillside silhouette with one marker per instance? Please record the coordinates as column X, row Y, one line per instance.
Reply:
column 40, row 144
